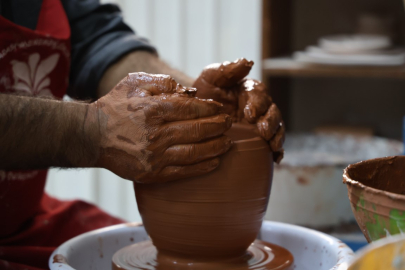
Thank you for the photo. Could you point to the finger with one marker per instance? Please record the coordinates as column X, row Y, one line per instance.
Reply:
column 278, row 156
column 228, row 97
column 257, row 100
column 227, row 74
column 207, row 90
column 186, row 154
column 191, row 131
column 269, row 123
column 180, row 172
column 182, row 108
column 277, row 141
column 154, row 84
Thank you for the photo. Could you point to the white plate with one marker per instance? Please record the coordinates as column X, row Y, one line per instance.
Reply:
column 315, row 55
column 348, row 44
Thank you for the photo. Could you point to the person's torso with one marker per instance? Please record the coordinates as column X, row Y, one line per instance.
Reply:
column 32, row 63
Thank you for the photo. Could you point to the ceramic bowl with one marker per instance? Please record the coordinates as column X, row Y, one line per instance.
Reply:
column 218, row 214
column 387, row 254
column 376, row 192
column 312, row 250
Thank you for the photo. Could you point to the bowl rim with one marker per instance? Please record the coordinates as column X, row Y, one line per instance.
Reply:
column 351, row 182
column 374, row 246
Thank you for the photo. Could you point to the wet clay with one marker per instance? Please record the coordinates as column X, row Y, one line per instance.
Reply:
column 259, row 255
column 216, row 216
column 376, row 192
column 58, row 258
column 154, row 130
column 246, row 100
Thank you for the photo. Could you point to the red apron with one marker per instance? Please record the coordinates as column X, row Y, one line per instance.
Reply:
column 32, row 224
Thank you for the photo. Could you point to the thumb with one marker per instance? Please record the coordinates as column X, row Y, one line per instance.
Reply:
column 227, row 74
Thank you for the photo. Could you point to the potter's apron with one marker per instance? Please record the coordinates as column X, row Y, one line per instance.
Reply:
column 32, row 224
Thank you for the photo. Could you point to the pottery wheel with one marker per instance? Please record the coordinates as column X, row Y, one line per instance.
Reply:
column 259, row 255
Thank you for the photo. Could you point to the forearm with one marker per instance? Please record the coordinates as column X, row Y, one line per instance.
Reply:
column 40, row 133
column 139, row 61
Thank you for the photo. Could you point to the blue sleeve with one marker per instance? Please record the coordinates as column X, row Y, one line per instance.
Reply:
column 99, row 38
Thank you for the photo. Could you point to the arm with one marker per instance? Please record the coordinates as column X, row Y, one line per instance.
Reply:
column 39, row 133
column 147, row 129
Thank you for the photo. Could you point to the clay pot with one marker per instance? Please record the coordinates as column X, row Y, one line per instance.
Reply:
column 376, row 192
column 217, row 215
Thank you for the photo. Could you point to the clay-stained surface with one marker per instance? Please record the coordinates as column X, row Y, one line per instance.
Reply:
column 376, row 189
column 217, row 215
column 260, row 255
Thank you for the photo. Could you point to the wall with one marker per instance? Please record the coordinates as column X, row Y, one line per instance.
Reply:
column 189, row 34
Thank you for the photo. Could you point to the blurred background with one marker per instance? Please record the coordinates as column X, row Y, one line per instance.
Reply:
column 335, row 68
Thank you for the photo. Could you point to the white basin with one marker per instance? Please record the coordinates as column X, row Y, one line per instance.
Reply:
column 312, row 250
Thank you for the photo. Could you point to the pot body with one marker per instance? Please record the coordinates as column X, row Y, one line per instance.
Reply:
column 215, row 215
column 376, row 190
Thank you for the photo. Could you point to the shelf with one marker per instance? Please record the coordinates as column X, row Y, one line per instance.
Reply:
column 287, row 67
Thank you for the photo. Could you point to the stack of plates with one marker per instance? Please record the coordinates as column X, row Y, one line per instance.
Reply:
column 363, row 50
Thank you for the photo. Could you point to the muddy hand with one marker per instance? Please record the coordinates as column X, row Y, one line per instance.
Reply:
column 220, row 82
column 256, row 106
column 243, row 99
column 154, row 130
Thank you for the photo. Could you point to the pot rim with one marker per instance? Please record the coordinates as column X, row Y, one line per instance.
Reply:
column 351, row 182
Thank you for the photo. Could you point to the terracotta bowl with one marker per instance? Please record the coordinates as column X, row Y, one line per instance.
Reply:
column 377, row 195
column 217, row 215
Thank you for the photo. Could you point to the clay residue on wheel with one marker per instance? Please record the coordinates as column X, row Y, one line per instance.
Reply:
column 59, row 258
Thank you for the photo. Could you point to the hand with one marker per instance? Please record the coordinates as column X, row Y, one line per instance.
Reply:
column 243, row 99
column 155, row 130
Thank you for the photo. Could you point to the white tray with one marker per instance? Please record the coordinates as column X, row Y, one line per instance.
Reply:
column 312, row 250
